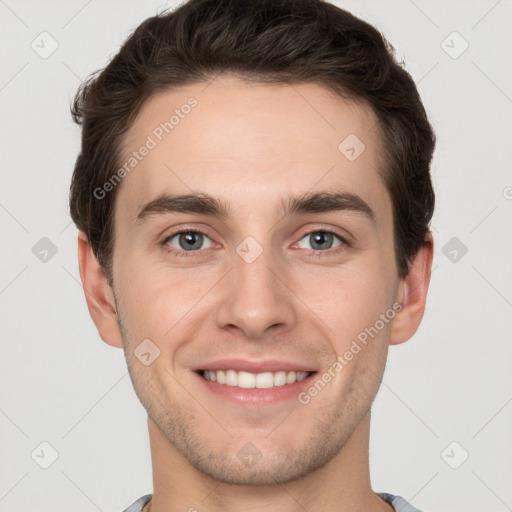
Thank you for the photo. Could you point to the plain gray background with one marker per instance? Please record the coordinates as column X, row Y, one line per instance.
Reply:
column 447, row 393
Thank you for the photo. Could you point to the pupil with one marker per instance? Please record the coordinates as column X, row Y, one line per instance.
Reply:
column 189, row 239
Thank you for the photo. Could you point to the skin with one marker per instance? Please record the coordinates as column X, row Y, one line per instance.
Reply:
column 251, row 145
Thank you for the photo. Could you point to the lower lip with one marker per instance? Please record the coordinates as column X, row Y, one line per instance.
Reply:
column 256, row 396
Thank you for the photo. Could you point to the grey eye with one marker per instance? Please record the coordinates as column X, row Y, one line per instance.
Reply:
column 321, row 240
column 188, row 241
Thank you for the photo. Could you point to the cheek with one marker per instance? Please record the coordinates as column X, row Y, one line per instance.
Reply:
column 353, row 298
column 360, row 319
column 155, row 300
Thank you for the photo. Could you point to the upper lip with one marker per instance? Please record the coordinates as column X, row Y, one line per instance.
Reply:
column 255, row 366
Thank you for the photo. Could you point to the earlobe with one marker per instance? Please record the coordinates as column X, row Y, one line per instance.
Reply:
column 412, row 294
column 98, row 294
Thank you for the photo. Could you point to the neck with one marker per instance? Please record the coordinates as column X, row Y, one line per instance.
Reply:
column 343, row 484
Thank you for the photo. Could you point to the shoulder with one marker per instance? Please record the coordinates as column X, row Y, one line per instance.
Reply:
column 137, row 505
column 398, row 503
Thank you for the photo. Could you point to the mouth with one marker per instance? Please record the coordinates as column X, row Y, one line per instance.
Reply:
column 260, row 389
column 248, row 380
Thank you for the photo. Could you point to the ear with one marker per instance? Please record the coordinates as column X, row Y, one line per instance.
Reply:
column 98, row 294
column 412, row 294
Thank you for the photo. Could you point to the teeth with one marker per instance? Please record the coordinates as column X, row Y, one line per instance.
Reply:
column 279, row 378
column 291, row 377
column 231, row 378
column 254, row 380
column 264, row 380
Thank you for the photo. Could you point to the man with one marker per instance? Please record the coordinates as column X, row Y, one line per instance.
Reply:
column 253, row 200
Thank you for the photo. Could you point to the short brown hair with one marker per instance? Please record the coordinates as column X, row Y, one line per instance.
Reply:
column 267, row 41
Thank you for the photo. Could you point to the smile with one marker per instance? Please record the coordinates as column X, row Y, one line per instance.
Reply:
column 249, row 380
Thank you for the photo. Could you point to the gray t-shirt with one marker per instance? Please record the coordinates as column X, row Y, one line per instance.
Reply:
column 399, row 504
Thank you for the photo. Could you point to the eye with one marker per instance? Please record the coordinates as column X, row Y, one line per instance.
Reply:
column 187, row 240
column 322, row 240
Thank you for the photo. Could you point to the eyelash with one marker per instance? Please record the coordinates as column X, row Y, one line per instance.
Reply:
column 316, row 253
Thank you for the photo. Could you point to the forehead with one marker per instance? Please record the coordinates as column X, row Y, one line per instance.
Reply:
column 245, row 142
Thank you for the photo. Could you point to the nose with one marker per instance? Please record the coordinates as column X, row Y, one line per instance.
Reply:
column 257, row 298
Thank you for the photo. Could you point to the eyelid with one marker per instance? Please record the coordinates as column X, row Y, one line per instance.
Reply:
column 342, row 234
column 182, row 229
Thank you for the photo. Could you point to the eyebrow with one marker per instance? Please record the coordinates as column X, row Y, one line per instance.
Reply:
column 318, row 202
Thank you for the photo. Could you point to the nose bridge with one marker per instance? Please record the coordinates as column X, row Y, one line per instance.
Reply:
column 256, row 299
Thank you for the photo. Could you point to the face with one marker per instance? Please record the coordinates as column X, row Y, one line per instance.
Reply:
column 254, row 280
